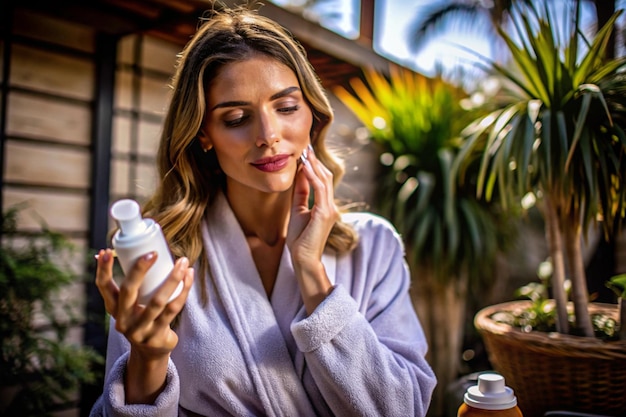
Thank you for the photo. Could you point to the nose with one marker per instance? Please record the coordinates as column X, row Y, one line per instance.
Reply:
column 267, row 130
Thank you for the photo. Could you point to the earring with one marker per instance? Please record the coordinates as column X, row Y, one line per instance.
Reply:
column 208, row 148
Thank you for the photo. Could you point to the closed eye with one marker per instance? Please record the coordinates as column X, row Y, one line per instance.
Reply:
column 289, row 110
column 235, row 122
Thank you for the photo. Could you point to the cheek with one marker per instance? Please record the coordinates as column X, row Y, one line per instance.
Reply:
column 305, row 125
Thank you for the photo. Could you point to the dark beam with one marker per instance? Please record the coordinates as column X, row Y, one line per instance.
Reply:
column 95, row 335
column 366, row 26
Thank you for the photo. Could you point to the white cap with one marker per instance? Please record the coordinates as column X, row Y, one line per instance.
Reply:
column 127, row 214
column 490, row 394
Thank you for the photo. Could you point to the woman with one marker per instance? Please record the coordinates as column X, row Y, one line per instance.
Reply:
column 291, row 308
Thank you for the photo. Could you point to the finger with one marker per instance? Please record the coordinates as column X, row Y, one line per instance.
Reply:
column 176, row 305
column 321, row 180
column 159, row 327
column 129, row 289
column 160, row 299
column 104, row 281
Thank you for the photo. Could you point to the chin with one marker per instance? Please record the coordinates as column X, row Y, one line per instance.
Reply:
column 279, row 187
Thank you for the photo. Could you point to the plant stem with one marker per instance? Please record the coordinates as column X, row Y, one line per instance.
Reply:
column 579, row 281
column 555, row 246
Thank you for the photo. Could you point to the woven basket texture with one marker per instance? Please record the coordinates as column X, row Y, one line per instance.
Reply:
column 552, row 371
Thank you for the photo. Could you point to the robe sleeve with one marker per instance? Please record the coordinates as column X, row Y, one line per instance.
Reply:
column 367, row 356
column 112, row 402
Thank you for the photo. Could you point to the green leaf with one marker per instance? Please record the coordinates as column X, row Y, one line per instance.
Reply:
column 618, row 285
column 580, row 124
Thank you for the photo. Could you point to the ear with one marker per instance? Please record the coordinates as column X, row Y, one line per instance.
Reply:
column 205, row 142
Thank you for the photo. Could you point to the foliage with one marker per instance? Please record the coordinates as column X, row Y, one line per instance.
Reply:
column 618, row 285
column 35, row 359
column 416, row 120
column 558, row 133
column 541, row 315
column 482, row 17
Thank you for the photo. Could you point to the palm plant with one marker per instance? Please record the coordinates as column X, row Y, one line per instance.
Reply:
column 463, row 15
column 558, row 133
column 451, row 237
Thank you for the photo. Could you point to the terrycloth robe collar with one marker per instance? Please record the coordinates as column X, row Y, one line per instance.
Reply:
column 255, row 320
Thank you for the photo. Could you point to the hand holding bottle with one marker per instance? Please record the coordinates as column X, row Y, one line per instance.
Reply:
column 144, row 309
column 146, row 327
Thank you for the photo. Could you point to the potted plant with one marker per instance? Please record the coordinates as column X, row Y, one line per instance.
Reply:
column 40, row 371
column 451, row 237
column 557, row 132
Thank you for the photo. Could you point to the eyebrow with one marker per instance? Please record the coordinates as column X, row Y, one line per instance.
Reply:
column 278, row 95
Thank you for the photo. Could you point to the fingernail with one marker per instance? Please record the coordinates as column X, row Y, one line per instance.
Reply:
column 105, row 256
column 184, row 262
column 310, row 148
column 148, row 256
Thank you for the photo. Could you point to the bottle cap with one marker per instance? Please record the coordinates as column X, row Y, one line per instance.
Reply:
column 491, row 393
column 127, row 215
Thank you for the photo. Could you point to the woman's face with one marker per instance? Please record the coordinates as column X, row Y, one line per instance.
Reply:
column 258, row 123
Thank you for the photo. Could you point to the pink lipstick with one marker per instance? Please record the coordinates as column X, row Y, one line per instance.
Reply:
column 272, row 163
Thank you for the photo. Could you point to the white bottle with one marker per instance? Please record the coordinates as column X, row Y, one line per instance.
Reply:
column 136, row 237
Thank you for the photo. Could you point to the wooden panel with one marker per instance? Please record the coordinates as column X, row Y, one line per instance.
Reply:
column 123, row 95
column 159, row 55
column 38, row 164
column 139, row 181
column 126, row 49
column 155, row 94
column 62, row 212
column 121, row 134
column 45, row 28
column 149, row 137
column 52, row 73
column 119, row 177
column 55, row 120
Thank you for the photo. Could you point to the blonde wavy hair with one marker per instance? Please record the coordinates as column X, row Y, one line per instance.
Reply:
column 189, row 178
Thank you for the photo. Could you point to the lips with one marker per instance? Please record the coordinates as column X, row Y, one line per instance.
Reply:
column 272, row 163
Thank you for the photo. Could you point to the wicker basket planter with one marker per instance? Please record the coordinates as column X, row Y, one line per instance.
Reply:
column 551, row 371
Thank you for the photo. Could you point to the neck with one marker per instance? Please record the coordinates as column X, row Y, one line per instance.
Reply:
column 262, row 215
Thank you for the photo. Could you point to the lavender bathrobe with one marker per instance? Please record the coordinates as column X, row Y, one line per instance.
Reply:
column 361, row 352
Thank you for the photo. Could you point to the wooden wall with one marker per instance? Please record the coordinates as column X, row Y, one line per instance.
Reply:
column 47, row 138
column 145, row 65
column 48, row 130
